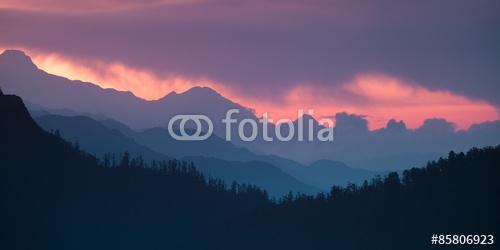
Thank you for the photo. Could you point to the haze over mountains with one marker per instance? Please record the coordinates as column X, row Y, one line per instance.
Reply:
column 353, row 125
column 20, row 75
column 56, row 196
column 213, row 157
column 393, row 147
column 98, row 139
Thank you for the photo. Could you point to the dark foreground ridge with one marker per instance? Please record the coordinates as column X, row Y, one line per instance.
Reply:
column 55, row 196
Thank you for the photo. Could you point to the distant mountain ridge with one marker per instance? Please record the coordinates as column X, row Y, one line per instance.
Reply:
column 115, row 137
column 95, row 137
column 391, row 148
column 56, row 196
column 19, row 75
column 98, row 139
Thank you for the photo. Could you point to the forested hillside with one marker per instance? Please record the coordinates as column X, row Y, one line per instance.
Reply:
column 55, row 196
column 457, row 195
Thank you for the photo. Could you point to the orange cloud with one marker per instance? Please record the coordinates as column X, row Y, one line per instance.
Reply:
column 378, row 97
column 390, row 97
column 115, row 75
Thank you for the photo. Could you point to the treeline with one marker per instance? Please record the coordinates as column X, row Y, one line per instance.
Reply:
column 173, row 167
column 443, row 172
column 457, row 195
column 55, row 196
column 182, row 169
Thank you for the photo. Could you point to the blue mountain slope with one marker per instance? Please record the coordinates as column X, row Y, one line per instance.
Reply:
column 99, row 139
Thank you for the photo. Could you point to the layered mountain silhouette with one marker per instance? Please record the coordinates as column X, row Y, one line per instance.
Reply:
column 394, row 147
column 100, row 140
column 20, row 76
column 56, row 196
column 95, row 137
column 214, row 157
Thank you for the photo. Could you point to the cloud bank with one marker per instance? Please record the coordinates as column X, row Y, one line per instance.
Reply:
column 383, row 60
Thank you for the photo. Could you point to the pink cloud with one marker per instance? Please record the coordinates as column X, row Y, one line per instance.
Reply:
column 378, row 97
column 390, row 97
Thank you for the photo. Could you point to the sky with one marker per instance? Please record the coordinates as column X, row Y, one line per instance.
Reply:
column 407, row 60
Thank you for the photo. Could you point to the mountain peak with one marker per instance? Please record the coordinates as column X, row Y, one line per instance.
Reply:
column 198, row 90
column 16, row 58
column 195, row 92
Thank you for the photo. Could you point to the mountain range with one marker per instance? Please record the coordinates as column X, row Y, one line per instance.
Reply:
column 57, row 196
column 394, row 147
column 213, row 157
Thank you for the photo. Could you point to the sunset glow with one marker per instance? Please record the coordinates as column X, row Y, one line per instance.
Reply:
column 377, row 97
column 142, row 83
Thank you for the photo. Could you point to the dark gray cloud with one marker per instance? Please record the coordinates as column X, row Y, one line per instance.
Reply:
column 264, row 47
